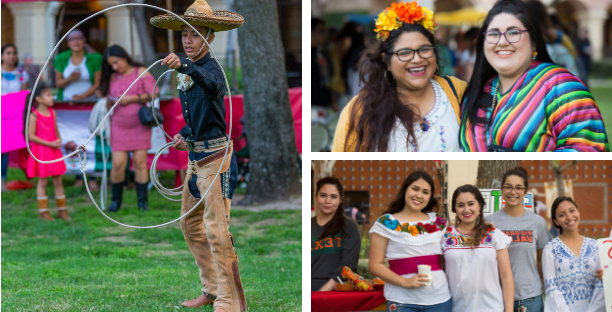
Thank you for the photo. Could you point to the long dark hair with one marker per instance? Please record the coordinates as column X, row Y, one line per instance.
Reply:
column 107, row 70
column 378, row 105
column 553, row 212
column 482, row 228
column 519, row 172
column 336, row 224
column 32, row 95
column 483, row 71
column 8, row 45
column 399, row 203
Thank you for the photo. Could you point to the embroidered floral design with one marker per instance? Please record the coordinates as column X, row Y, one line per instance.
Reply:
column 392, row 307
column 442, row 138
column 438, row 225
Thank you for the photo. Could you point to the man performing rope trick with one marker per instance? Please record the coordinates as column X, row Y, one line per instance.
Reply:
column 201, row 89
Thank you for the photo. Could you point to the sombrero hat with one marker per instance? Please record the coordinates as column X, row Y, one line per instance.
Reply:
column 200, row 14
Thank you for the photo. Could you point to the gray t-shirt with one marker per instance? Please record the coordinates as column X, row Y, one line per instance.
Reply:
column 529, row 233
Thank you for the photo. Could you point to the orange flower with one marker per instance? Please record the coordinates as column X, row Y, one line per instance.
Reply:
column 407, row 12
column 413, row 230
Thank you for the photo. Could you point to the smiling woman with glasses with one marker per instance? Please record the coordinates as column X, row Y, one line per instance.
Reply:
column 529, row 235
column 518, row 99
column 403, row 105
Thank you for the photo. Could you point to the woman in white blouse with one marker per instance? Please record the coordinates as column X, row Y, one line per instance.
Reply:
column 408, row 235
column 569, row 263
column 476, row 257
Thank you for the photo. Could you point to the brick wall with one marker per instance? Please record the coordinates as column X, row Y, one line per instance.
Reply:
column 382, row 179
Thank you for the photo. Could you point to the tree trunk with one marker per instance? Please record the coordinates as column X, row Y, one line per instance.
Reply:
column 557, row 169
column 490, row 172
column 268, row 118
column 142, row 24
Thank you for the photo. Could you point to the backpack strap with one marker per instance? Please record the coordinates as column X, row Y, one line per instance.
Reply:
column 450, row 83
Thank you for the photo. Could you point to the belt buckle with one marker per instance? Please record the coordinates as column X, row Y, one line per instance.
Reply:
column 190, row 145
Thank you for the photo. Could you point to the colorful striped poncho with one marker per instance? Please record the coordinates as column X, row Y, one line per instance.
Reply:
column 547, row 109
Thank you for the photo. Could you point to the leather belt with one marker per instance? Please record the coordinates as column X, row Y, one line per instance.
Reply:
column 206, row 146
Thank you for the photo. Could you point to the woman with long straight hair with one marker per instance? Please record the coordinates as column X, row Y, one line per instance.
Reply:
column 570, row 262
column 529, row 235
column 476, row 257
column 518, row 99
column 335, row 241
column 408, row 235
column 403, row 105
column 119, row 71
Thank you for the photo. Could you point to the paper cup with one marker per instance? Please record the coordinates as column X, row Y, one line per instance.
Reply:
column 425, row 269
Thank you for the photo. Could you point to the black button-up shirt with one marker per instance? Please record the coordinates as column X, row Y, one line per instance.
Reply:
column 203, row 104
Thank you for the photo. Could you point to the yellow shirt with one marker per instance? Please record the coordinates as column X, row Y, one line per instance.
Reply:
column 340, row 144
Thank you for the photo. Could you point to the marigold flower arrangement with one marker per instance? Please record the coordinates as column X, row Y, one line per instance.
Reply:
column 394, row 16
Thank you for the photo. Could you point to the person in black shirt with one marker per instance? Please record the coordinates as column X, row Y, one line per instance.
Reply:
column 202, row 88
column 335, row 241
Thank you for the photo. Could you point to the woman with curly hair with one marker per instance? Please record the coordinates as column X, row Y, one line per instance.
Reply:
column 403, row 104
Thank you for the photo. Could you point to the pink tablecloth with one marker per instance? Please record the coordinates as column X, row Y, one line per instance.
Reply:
column 336, row 301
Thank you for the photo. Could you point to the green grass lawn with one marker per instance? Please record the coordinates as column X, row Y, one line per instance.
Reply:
column 91, row 264
column 603, row 98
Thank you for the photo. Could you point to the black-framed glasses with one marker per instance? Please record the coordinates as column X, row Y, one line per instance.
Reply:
column 406, row 55
column 508, row 189
column 512, row 35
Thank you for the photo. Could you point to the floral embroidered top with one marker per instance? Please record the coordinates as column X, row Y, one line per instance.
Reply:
column 472, row 273
column 414, row 239
column 570, row 281
column 441, row 133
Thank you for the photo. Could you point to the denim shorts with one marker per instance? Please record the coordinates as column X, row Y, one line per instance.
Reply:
column 535, row 304
column 229, row 179
column 402, row 307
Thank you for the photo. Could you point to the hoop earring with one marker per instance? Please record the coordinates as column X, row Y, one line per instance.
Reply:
column 478, row 220
column 386, row 80
column 535, row 54
column 457, row 221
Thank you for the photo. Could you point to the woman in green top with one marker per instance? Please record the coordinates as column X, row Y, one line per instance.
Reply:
column 77, row 70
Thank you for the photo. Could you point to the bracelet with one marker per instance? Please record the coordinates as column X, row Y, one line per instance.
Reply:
column 139, row 100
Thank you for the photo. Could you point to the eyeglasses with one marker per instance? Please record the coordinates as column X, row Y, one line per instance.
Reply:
column 407, row 55
column 512, row 35
column 508, row 189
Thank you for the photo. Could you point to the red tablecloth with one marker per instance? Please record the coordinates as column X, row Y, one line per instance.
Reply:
column 336, row 301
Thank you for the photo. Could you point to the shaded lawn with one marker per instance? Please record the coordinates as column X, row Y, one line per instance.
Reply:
column 91, row 264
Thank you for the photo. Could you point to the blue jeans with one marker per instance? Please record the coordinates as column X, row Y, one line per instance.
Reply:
column 229, row 179
column 401, row 307
column 5, row 161
column 535, row 304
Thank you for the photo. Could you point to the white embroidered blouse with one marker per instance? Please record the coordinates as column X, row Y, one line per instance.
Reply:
column 473, row 275
column 570, row 281
column 402, row 245
column 441, row 135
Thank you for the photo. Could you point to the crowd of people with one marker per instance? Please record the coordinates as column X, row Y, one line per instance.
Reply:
column 82, row 74
column 407, row 91
column 505, row 261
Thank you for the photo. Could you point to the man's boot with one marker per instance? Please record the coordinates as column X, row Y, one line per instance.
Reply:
column 117, row 189
column 141, row 193
column 43, row 208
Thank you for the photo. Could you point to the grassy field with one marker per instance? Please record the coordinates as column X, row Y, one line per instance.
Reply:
column 603, row 97
column 91, row 264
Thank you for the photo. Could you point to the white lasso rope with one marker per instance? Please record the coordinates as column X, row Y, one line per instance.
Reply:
column 164, row 191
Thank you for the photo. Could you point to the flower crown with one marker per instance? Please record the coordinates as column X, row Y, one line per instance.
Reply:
column 392, row 18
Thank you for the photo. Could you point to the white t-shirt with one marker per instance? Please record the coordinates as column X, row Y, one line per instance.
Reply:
column 403, row 245
column 473, row 275
column 442, row 134
column 12, row 81
column 79, row 86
